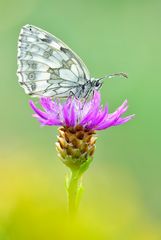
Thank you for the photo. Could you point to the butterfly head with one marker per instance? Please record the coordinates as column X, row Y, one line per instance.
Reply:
column 97, row 83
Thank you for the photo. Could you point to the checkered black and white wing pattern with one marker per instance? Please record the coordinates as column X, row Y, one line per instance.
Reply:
column 47, row 66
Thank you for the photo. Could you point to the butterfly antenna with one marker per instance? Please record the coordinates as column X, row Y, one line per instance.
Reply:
column 121, row 74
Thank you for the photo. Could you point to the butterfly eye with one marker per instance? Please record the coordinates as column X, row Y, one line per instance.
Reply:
column 97, row 84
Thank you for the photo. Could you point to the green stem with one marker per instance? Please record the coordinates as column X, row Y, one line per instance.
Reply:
column 73, row 188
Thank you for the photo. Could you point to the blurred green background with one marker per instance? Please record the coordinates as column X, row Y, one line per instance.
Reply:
column 122, row 198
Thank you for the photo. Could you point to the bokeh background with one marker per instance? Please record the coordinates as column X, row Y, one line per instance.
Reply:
column 122, row 198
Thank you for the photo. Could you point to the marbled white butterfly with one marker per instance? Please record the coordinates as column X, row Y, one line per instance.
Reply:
column 48, row 67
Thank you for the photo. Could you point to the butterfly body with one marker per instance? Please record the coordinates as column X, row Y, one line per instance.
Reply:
column 48, row 67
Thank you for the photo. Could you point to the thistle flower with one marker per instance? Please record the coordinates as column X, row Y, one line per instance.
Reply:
column 78, row 122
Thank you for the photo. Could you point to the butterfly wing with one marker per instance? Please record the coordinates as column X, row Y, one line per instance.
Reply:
column 47, row 66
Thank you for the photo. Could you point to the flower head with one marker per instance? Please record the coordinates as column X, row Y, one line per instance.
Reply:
column 78, row 123
column 90, row 115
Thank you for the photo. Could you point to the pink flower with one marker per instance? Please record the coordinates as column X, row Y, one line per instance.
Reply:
column 73, row 112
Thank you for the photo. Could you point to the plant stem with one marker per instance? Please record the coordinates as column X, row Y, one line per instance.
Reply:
column 74, row 187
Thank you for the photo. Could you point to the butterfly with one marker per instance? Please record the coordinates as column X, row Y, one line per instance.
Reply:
column 47, row 67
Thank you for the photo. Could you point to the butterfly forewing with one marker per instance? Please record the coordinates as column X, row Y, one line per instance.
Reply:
column 47, row 66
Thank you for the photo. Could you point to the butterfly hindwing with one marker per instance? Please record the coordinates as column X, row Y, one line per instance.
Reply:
column 48, row 67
